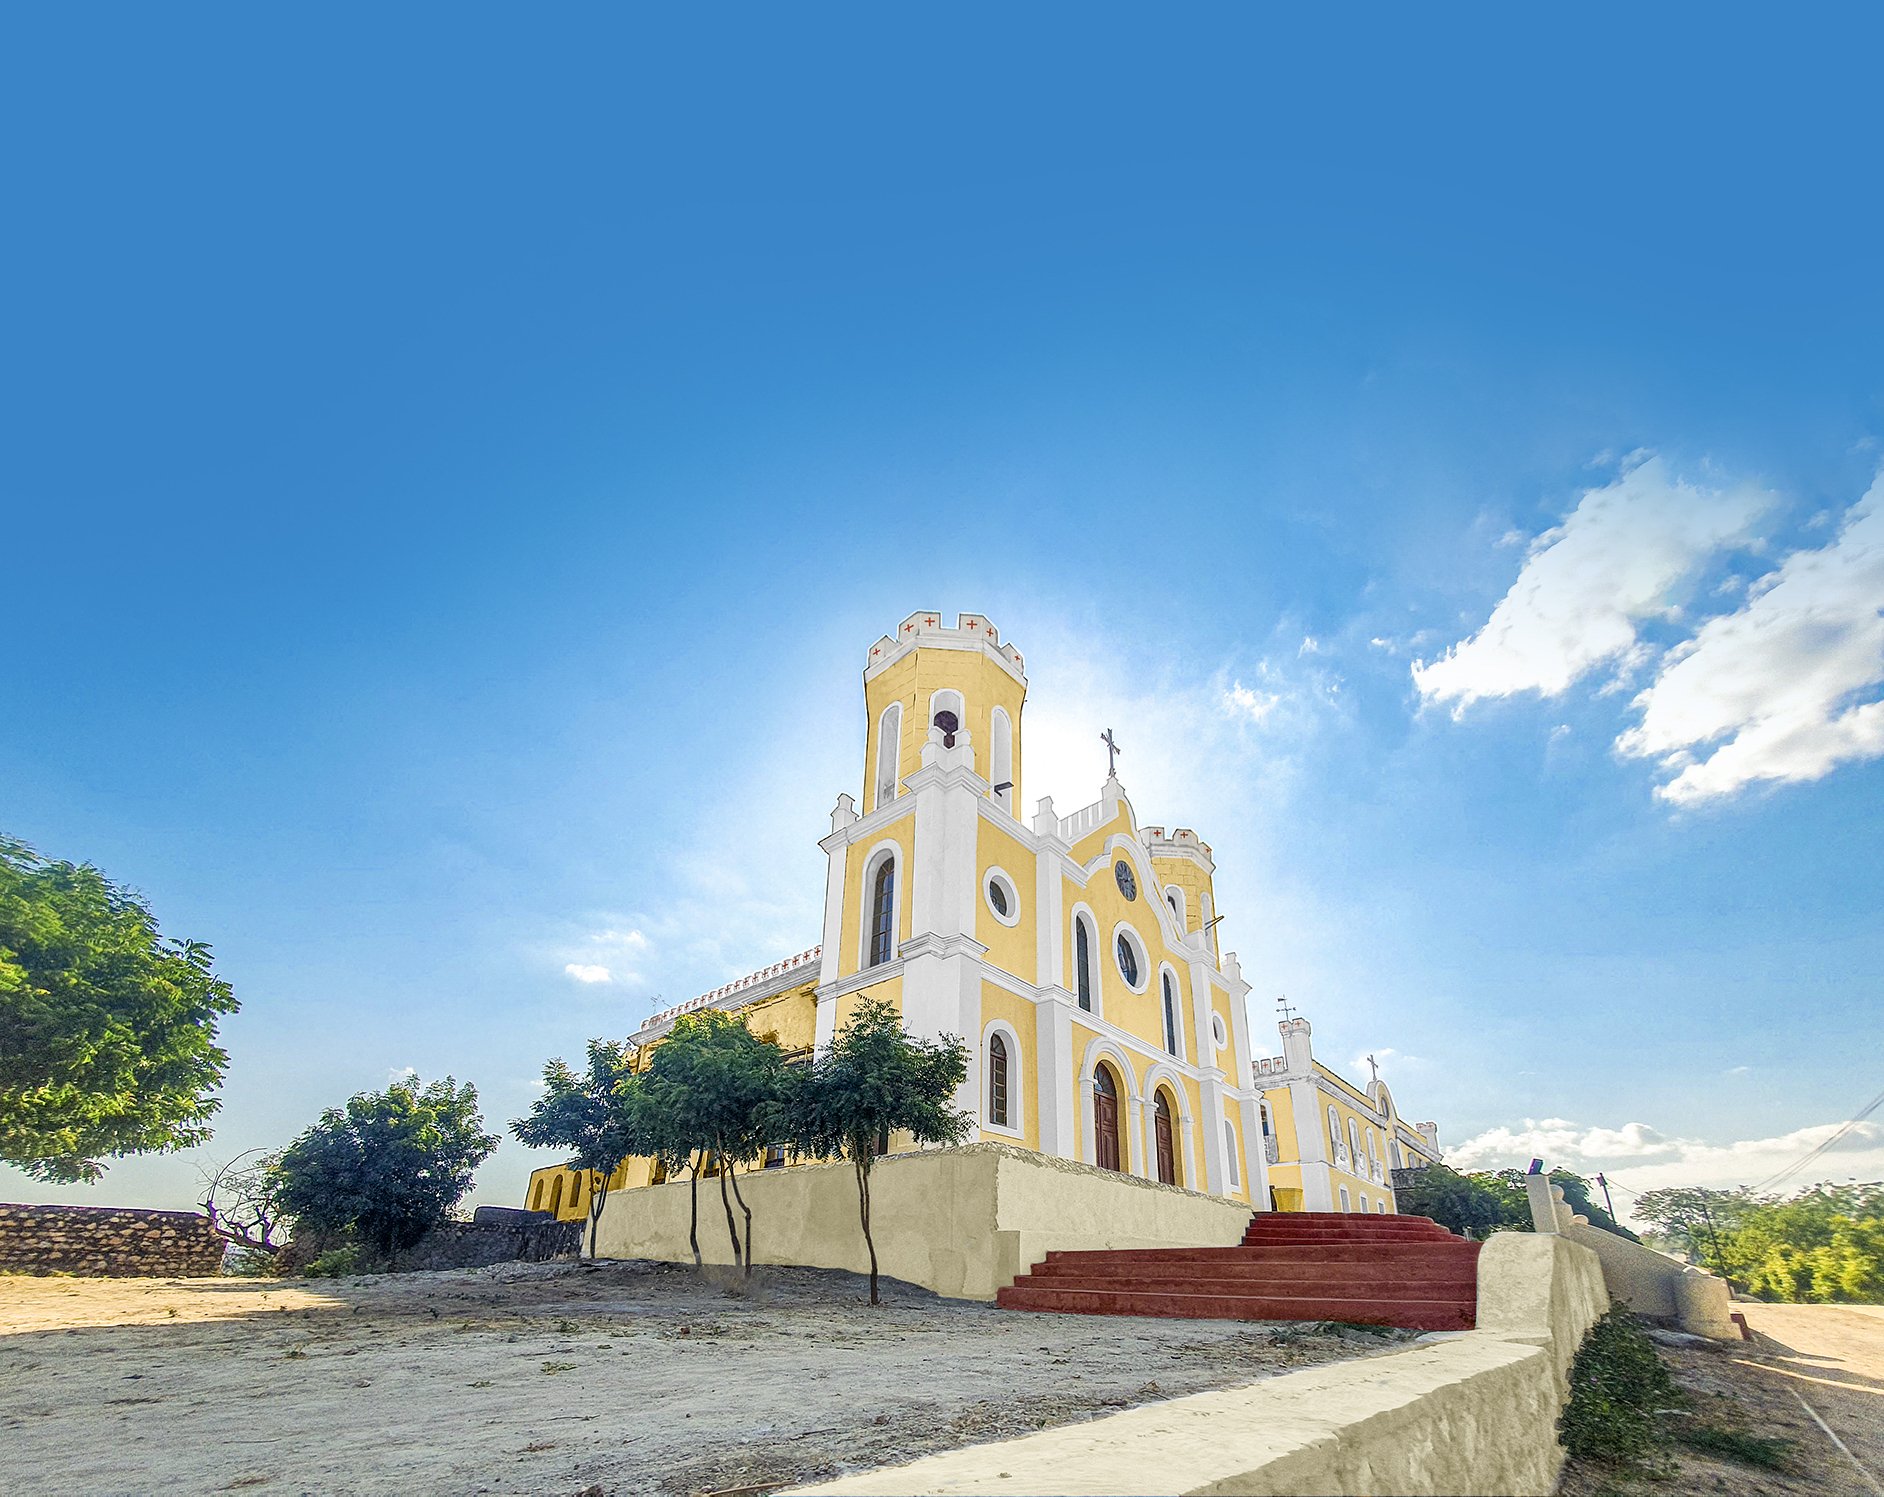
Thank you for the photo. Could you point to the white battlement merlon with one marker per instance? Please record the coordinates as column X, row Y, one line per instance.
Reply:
column 924, row 629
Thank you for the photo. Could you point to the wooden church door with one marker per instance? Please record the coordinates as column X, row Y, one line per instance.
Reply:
column 1105, row 1118
column 1167, row 1159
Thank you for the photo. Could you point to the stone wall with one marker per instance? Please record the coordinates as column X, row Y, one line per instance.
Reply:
column 107, row 1242
column 479, row 1244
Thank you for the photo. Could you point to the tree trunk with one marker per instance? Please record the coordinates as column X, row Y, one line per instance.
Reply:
column 863, row 1210
column 747, row 1210
column 732, row 1227
column 693, row 1203
column 598, row 1198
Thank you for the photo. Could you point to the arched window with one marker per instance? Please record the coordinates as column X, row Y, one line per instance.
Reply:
column 1346, row 1204
column 1001, row 759
column 1128, row 962
column 1393, row 1153
column 536, row 1196
column 1334, row 1130
column 1229, row 1149
column 556, row 1197
column 1354, row 1144
column 889, row 752
column 1082, row 963
column 1172, row 1033
column 997, row 1081
column 1373, row 1151
column 883, row 914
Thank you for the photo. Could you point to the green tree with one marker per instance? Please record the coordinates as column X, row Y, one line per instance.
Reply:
column 728, row 1087
column 1694, row 1218
column 107, row 1027
column 873, row 1082
column 599, row 1114
column 387, row 1167
column 1473, row 1205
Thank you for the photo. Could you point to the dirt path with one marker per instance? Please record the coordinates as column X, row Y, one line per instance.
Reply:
column 543, row 1378
column 1832, row 1357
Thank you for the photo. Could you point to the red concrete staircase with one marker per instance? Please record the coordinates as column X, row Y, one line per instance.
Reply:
column 1296, row 1265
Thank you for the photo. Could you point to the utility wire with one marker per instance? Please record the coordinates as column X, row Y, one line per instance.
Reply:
column 1794, row 1168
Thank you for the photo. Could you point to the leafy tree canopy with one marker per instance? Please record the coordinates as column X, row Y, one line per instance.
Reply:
column 599, row 1114
column 386, row 1167
column 107, row 1028
column 1823, row 1246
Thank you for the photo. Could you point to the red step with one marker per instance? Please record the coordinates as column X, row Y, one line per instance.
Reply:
column 1369, row 1270
column 1411, row 1314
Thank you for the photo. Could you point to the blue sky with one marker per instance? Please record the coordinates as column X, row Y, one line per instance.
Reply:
column 456, row 462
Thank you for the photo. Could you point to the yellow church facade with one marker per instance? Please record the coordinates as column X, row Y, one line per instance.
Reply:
column 1075, row 954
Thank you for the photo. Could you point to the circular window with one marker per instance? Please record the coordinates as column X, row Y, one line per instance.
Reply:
column 1127, row 881
column 1003, row 901
column 1218, row 1033
column 1131, row 967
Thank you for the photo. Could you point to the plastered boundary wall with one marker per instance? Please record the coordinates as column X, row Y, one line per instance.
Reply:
column 1473, row 1414
column 963, row 1222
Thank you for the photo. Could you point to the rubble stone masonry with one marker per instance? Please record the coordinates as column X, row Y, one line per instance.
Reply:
column 107, row 1242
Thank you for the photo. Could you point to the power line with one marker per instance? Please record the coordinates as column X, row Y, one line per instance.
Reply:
column 1794, row 1168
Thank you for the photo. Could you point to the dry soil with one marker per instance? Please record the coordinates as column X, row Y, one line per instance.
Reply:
column 543, row 1378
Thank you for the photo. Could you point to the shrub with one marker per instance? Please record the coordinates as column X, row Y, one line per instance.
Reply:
column 337, row 1263
column 1617, row 1385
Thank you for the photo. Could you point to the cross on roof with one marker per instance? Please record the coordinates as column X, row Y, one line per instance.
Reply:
column 1374, row 1066
column 1112, row 754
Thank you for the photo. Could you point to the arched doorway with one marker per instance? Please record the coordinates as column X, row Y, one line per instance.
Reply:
column 1105, row 1118
column 1162, row 1128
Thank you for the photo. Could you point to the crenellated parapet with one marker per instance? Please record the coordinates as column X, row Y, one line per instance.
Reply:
column 925, row 629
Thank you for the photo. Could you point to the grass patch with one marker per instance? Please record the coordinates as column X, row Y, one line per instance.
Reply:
column 1735, row 1445
column 1617, row 1386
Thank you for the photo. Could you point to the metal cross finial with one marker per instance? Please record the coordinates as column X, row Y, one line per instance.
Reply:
column 1112, row 754
column 1283, row 1003
column 1374, row 1066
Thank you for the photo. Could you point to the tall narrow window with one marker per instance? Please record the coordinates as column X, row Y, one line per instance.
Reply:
column 1171, row 1032
column 883, row 914
column 1334, row 1130
column 889, row 752
column 1128, row 964
column 1082, row 964
column 997, row 1081
column 1001, row 759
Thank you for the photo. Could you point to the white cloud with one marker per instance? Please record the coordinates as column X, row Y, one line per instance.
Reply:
column 402, row 1073
column 1780, row 684
column 1641, row 1157
column 1626, row 554
column 586, row 972
column 1255, row 705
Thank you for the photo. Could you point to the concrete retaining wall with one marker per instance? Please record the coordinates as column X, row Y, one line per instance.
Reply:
column 1475, row 1413
column 963, row 1222
column 107, row 1242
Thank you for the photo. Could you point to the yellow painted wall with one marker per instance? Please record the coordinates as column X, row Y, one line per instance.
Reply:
column 1012, row 948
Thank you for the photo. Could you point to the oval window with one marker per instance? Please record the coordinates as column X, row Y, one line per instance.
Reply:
column 1128, row 959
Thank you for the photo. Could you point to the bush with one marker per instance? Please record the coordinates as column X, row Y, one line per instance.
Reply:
column 338, row 1263
column 1617, row 1385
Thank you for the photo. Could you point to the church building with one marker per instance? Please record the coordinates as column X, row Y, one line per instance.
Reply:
column 1076, row 954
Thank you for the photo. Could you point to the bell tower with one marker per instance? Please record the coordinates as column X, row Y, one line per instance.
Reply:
column 962, row 680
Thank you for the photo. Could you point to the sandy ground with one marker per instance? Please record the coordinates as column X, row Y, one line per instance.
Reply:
column 1833, row 1355
column 544, row 1378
